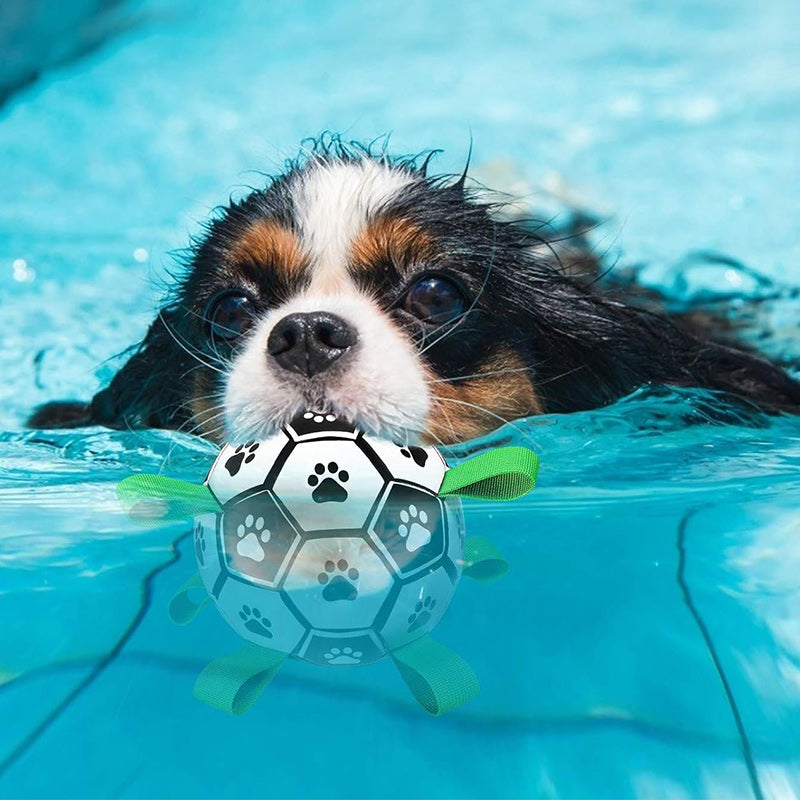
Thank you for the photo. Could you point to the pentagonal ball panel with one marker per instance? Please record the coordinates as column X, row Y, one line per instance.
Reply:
column 423, row 466
column 244, row 466
column 259, row 615
column 418, row 607
column 328, row 485
column 337, row 582
column 409, row 528
column 257, row 538
column 341, row 649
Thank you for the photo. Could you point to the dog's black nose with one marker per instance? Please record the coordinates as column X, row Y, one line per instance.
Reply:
column 310, row 343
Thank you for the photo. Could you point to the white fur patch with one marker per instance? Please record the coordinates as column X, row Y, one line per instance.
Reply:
column 379, row 385
column 333, row 201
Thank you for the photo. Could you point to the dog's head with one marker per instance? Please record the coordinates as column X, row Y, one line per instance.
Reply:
column 361, row 286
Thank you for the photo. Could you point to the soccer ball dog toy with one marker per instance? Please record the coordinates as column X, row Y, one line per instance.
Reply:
column 334, row 547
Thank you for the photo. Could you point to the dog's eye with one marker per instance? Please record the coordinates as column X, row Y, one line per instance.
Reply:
column 229, row 315
column 435, row 299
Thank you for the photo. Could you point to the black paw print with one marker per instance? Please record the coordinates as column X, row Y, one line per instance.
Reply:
column 339, row 586
column 199, row 545
column 244, row 453
column 328, row 489
column 255, row 622
column 419, row 454
column 421, row 613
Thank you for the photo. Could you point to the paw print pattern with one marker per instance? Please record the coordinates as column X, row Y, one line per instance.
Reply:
column 316, row 423
column 255, row 622
column 328, row 489
column 243, row 454
column 339, row 581
column 252, row 534
column 200, row 544
column 421, row 613
column 343, row 655
column 410, row 528
column 319, row 417
column 418, row 454
column 413, row 528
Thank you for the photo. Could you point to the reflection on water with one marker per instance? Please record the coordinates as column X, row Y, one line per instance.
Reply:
column 652, row 597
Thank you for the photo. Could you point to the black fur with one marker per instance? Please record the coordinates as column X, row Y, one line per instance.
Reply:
column 585, row 349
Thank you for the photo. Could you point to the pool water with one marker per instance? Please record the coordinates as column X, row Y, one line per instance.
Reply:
column 646, row 641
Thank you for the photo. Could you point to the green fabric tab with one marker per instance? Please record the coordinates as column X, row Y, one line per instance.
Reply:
column 234, row 683
column 503, row 474
column 482, row 560
column 182, row 609
column 439, row 679
column 155, row 499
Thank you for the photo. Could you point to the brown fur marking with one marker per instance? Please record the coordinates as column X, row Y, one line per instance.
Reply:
column 500, row 395
column 393, row 239
column 267, row 243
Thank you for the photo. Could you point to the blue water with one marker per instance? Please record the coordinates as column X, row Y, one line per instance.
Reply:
column 646, row 642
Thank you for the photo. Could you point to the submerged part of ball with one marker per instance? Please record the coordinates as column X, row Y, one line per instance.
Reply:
column 332, row 546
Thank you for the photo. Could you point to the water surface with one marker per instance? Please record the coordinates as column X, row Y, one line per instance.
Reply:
column 646, row 640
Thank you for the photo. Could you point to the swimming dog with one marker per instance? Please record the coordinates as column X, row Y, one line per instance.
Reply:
column 360, row 284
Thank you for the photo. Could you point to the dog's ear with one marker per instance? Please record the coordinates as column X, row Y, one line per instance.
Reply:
column 151, row 390
column 745, row 375
column 608, row 349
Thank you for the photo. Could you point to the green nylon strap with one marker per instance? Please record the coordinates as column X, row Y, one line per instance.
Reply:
column 439, row 679
column 154, row 499
column 234, row 683
column 483, row 562
column 182, row 609
column 503, row 474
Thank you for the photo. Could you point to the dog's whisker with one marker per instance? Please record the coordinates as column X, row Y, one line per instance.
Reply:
column 483, row 410
column 224, row 361
column 186, row 349
column 189, row 429
column 491, row 373
column 447, row 417
column 562, row 375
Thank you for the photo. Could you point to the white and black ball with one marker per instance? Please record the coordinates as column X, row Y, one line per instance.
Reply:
column 332, row 546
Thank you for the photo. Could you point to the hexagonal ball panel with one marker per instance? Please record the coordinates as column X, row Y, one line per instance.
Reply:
column 259, row 615
column 327, row 485
column 337, row 583
column 244, row 466
column 418, row 607
column 341, row 649
column 315, row 424
column 257, row 539
column 409, row 528
column 423, row 466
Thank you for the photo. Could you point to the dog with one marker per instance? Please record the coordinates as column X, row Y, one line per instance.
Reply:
column 358, row 284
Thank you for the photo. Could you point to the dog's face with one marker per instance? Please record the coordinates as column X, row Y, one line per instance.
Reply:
column 361, row 287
